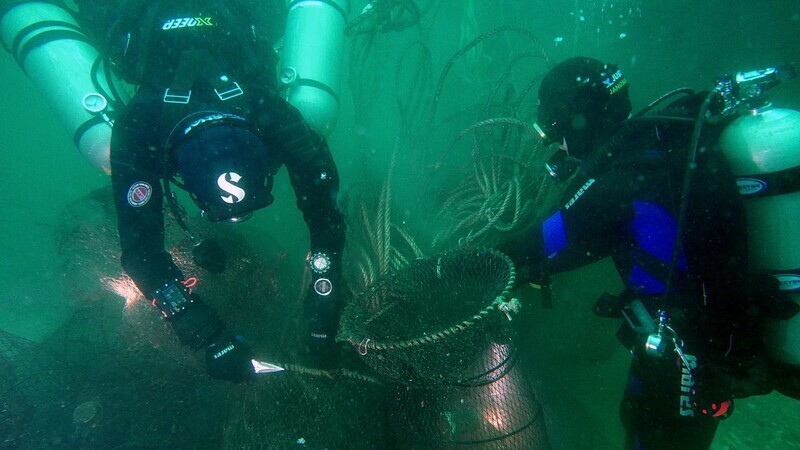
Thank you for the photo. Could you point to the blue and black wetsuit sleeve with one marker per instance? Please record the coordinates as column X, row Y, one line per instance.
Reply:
column 138, row 198
column 580, row 232
column 312, row 172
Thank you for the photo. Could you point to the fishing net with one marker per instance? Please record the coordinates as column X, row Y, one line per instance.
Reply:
column 15, row 407
column 438, row 331
column 114, row 375
column 307, row 408
column 430, row 323
column 503, row 413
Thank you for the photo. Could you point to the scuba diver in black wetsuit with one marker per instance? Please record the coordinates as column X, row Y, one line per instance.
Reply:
column 206, row 118
column 678, row 244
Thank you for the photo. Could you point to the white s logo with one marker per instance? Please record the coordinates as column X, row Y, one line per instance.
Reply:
column 237, row 193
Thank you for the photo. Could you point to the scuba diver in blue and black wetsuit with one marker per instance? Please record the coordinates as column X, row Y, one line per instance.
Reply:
column 677, row 238
column 207, row 119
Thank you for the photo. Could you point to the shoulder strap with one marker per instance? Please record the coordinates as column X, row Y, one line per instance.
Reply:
column 192, row 63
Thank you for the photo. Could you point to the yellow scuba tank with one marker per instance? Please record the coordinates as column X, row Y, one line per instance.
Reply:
column 66, row 68
column 763, row 148
column 311, row 59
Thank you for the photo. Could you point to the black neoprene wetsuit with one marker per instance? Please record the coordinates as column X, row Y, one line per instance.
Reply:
column 138, row 159
column 630, row 214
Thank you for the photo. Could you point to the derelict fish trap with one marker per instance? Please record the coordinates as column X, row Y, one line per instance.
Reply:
column 431, row 322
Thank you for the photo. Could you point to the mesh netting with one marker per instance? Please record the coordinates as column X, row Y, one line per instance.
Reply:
column 439, row 332
column 430, row 322
column 502, row 414
column 115, row 376
column 15, row 405
column 309, row 409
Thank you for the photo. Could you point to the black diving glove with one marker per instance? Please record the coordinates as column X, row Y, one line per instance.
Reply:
column 197, row 326
column 229, row 358
column 711, row 392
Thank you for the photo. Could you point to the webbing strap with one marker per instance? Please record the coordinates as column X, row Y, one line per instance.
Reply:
column 785, row 181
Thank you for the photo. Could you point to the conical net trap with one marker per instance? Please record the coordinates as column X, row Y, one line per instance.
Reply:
column 431, row 322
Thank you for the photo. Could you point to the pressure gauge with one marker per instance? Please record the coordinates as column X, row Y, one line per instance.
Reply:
column 323, row 287
column 95, row 103
column 320, row 262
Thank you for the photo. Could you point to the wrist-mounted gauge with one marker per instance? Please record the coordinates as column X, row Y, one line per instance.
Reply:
column 323, row 287
column 172, row 299
column 319, row 262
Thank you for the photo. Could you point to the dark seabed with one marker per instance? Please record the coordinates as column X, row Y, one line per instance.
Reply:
column 434, row 146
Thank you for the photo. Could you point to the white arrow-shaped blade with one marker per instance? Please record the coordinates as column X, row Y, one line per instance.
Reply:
column 265, row 367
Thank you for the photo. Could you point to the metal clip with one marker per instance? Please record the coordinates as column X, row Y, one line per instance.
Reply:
column 233, row 91
column 678, row 344
column 181, row 98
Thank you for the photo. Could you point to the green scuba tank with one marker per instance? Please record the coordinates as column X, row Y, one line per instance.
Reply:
column 763, row 148
column 67, row 69
column 311, row 59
